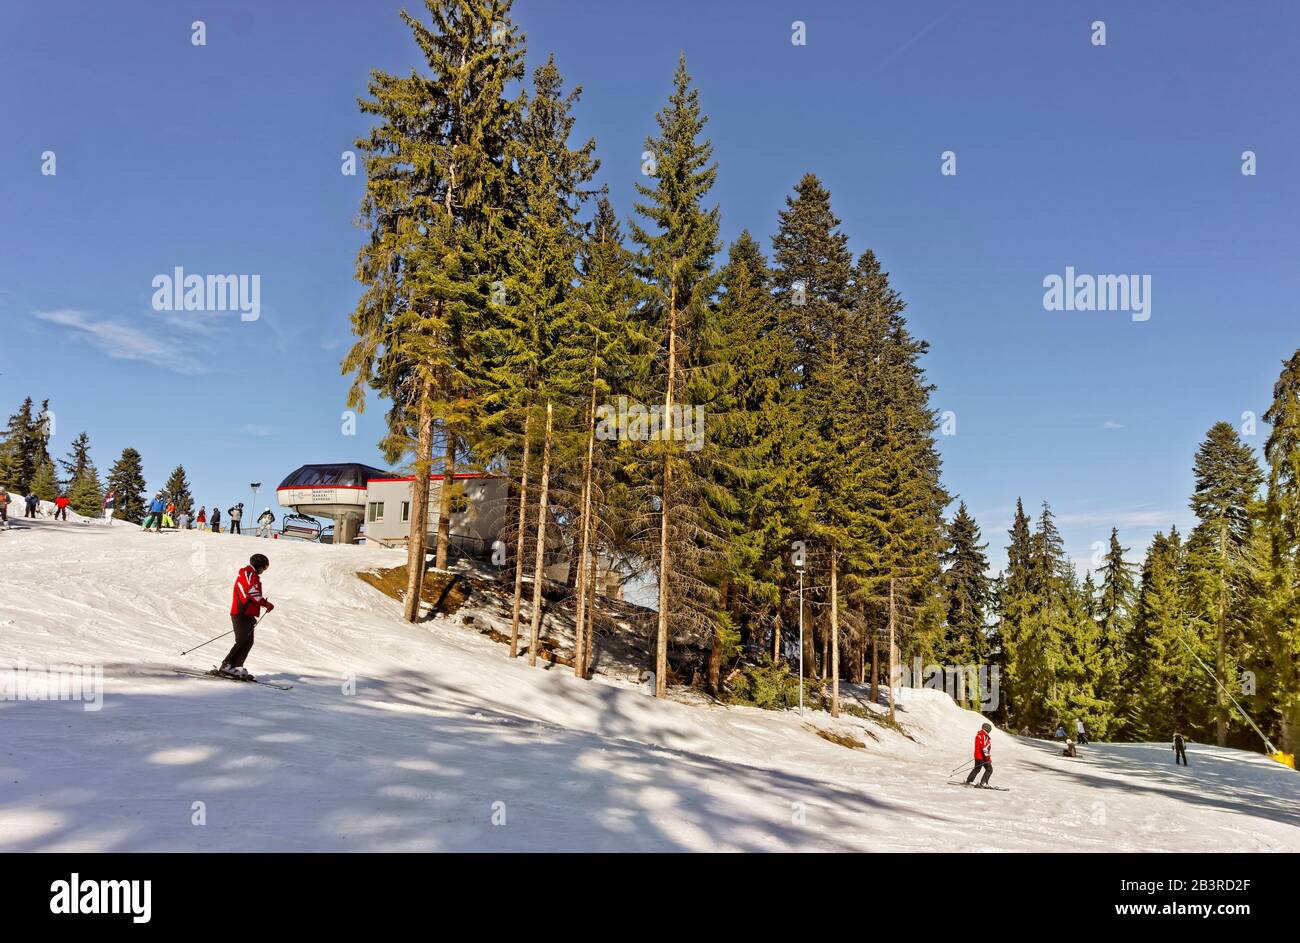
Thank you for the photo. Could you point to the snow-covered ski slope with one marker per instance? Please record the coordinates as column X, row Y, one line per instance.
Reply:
column 447, row 745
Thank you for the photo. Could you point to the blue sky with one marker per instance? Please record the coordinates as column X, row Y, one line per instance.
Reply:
column 1119, row 159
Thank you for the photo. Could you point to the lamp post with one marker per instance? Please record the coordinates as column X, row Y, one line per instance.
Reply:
column 252, row 508
column 800, row 641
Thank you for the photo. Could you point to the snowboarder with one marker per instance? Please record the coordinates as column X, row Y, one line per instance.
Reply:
column 1180, row 750
column 235, row 514
column 264, row 523
column 33, row 503
column 1083, row 735
column 983, row 756
column 110, row 503
column 61, row 507
column 216, row 520
column 245, row 606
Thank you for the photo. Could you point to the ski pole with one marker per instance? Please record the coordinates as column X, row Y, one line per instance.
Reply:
column 960, row 768
column 223, row 635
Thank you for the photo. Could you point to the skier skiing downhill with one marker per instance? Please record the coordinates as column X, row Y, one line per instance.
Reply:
column 245, row 606
column 983, row 756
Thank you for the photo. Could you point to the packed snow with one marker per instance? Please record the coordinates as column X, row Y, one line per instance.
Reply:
column 427, row 737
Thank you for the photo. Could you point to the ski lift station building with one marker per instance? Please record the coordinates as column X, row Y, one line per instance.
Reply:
column 352, row 493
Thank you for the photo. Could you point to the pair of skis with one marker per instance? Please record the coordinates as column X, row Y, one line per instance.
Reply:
column 973, row 786
column 216, row 673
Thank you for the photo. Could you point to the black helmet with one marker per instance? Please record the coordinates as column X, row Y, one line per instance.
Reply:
column 259, row 562
column 985, row 727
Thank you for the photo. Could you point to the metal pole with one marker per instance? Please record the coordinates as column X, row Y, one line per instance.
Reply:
column 253, row 508
column 801, row 643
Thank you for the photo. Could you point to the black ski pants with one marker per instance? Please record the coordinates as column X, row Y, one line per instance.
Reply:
column 243, row 640
column 987, row 766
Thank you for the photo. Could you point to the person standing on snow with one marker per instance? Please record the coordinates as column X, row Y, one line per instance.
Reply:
column 1083, row 735
column 61, row 507
column 235, row 514
column 246, row 605
column 155, row 517
column 202, row 519
column 110, row 503
column 983, row 756
column 1180, row 750
column 4, row 507
column 264, row 523
column 216, row 520
column 33, row 503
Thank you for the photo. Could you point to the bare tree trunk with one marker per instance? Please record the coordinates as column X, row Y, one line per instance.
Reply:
column 444, row 500
column 835, row 634
column 519, row 540
column 417, row 537
column 539, row 571
column 665, row 567
column 776, row 636
column 591, row 616
column 584, row 528
column 893, row 671
column 875, row 667
column 1221, row 648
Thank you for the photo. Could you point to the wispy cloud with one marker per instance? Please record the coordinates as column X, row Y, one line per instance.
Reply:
column 122, row 341
column 254, row 429
column 1112, row 424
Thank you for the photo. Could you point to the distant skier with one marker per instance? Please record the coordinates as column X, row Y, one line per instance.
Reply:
column 1069, row 749
column 216, row 520
column 155, row 517
column 235, row 514
column 110, row 503
column 1060, row 732
column 1083, row 734
column 61, row 507
column 1180, row 750
column 169, row 514
column 4, row 507
column 264, row 523
column 202, row 519
column 983, row 756
column 246, row 605
column 33, row 503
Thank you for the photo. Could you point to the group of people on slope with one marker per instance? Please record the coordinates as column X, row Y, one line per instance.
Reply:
column 32, row 507
column 162, row 513
column 984, row 751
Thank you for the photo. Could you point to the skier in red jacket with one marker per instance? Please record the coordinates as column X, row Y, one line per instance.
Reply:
column 245, row 606
column 983, row 756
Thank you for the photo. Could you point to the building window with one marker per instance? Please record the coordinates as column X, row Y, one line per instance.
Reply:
column 376, row 510
column 406, row 511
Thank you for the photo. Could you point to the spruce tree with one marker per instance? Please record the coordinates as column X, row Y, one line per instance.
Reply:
column 1114, row 616
column 1280, row 561
column 437, row 204
column 85, row 493
column 966, row 593
column 1227, row 479
column 45, row 485
column 126, row 477
column 177, row 491
column 18, row 456
column 678, row 240
column 78, row 461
